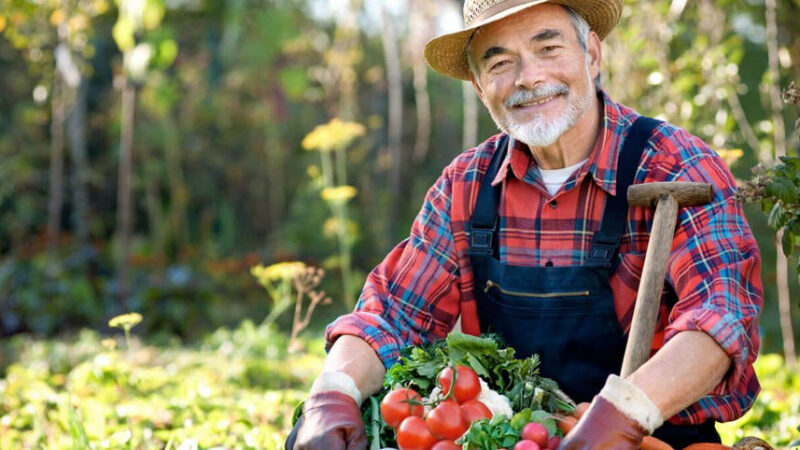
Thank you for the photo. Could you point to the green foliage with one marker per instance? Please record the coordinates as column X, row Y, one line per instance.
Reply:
column 495, row 363
column 775, row 415
column 777, row 189
column 499, row 432
column 76, row 430
column 517, row 379
column 86, row 394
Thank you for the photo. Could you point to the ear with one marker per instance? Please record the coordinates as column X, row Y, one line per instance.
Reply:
column 478, row 90
column 595, row 49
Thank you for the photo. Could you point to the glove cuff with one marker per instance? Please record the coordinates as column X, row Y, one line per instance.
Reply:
column 337, row 381
column 633, row 402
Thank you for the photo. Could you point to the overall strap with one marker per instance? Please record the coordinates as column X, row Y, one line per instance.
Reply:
column 484, row 217
column 605, row 243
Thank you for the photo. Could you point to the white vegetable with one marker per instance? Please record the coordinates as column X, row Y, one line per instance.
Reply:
column 435, row 396
column 498, row 403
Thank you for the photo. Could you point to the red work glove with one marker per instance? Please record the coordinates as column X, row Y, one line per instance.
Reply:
column 330, row 420
column 619, row 418
column 604, row 427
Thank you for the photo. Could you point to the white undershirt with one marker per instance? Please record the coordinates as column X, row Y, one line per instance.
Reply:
column 554, row 178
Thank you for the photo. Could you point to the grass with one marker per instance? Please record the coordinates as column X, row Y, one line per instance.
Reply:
column 237, row 389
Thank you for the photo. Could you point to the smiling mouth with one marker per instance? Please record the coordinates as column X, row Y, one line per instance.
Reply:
column 536, row 102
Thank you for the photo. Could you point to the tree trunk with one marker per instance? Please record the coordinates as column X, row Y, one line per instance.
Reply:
column 343, row 61
column 470, row 136
column 178, row 192
column 395, row 87
column 779, row 128
column 419, row 32
column 56, row 199
column 124, row 206
column 76, row 132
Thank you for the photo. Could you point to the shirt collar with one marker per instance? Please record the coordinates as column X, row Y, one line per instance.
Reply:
column 602, row 164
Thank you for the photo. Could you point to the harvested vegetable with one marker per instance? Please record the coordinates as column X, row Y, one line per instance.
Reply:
column 469, row 388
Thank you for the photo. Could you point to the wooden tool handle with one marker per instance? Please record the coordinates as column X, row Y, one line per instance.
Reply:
column 648, row 298
column 686, row 193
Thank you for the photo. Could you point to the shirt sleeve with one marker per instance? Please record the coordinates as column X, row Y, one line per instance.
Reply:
column 715, row 268
column 412, row 297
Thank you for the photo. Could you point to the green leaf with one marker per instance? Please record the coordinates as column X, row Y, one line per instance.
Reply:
column 521, row 418
column 791, row 162
column 477, row 366
column 154, row 11
column 787, row 243
column 783, row 189
column 298, row 410
column 122, row 32
column 546, row 419
column 76, row 430
column 294, row 82
column 460, row 344
column 777, row 217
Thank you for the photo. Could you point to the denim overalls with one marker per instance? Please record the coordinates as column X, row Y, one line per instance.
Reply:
column 565, row 314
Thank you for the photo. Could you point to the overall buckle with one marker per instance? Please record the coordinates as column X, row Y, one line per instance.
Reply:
column 604, row 246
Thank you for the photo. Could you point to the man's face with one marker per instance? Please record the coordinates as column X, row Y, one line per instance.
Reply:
column 533, row 75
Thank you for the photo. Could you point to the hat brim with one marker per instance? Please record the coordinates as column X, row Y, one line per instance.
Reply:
column 447, row 54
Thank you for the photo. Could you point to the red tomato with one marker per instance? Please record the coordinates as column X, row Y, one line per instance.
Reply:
column 467, row 387
column 475, row 410
column 553, row 442
column 535, row 432
column 527, row 445
column 413, row 434
column 446, row 421
column 399, row 404
column 446, row 445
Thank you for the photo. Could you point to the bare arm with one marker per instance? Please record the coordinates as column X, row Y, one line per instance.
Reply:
column 683, row 371
column 353, row 356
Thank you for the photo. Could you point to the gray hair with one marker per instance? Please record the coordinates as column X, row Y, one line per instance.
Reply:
column 581, row 30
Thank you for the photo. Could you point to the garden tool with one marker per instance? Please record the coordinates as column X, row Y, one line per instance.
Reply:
column 666, row 197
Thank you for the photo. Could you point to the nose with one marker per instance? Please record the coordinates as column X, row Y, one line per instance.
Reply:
column 530, row 73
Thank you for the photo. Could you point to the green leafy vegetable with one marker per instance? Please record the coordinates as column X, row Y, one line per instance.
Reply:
column 517, row 379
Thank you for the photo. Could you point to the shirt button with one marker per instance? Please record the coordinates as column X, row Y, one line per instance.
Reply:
column 548, row 264
column 553, row 204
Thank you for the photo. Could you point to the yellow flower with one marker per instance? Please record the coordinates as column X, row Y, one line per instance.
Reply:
column 109, row 344
column 338, row 194
column 128, row 320
column 281, row 271
column 730, row 156
column 332, row 135
column 330, row 227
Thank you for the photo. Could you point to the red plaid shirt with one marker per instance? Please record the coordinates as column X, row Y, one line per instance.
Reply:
column 422, row 286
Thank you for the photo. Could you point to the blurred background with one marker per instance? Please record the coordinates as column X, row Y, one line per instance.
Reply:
column 231, row 170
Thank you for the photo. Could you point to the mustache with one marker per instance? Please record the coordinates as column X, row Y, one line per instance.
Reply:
column 524, row 95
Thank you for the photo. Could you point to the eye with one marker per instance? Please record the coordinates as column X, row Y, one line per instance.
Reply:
column 550, row 48
column 499, row 64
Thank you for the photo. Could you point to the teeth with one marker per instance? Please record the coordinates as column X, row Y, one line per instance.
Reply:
column 538, row 102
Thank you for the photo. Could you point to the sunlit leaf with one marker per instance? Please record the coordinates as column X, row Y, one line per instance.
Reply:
column 122, row 32
column 167, row 52
column 153, row 14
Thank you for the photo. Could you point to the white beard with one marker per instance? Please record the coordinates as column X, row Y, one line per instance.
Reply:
column 539, row 131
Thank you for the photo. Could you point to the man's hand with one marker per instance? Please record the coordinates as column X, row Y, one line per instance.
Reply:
column 331, row 416
column 618, row 418
column 330, row 420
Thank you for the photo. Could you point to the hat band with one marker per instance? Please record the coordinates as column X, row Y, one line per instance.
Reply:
column 498, row 8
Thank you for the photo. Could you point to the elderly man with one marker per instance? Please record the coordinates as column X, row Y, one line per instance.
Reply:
column 529, row 235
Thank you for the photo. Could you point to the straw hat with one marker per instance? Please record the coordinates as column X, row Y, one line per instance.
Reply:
column 447, row 54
